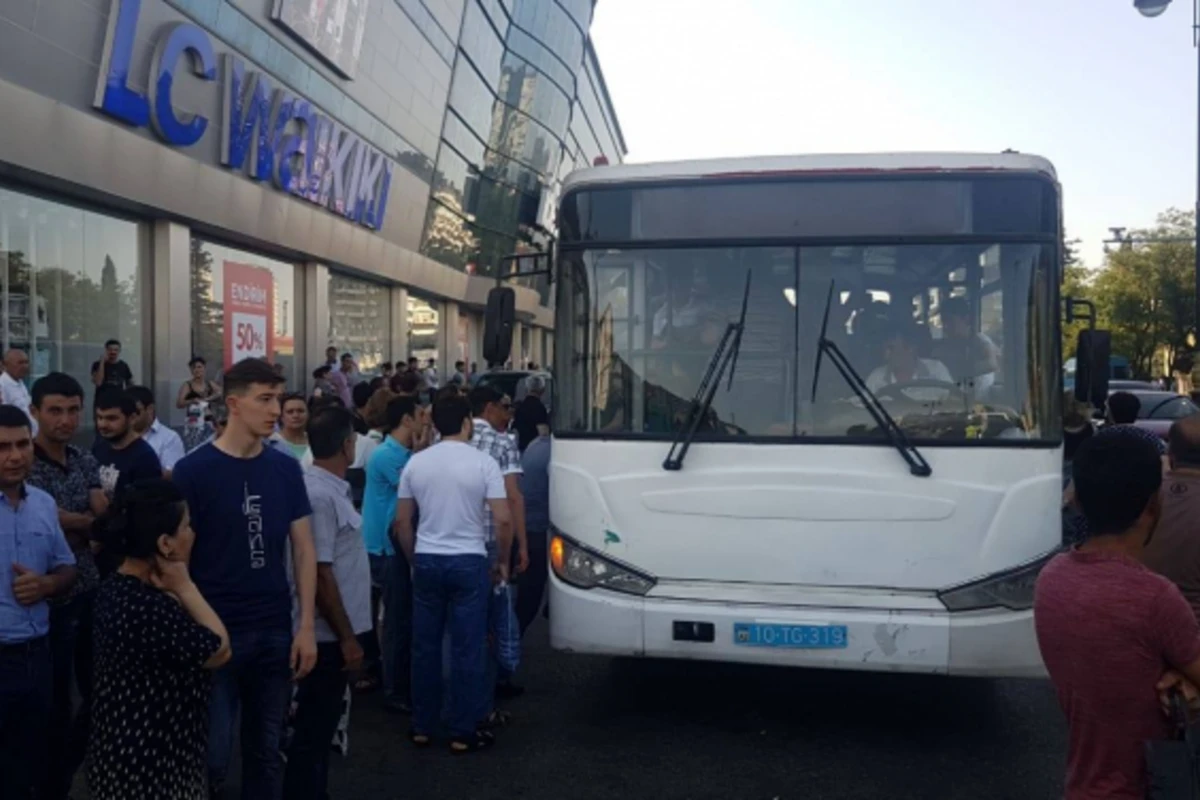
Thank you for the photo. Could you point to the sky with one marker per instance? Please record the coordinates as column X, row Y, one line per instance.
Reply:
column 1108, row 96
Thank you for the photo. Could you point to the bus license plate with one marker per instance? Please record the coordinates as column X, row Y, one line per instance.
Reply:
column 806, row 637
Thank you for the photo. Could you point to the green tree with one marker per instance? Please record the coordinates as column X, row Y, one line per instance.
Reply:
column 1146, row 294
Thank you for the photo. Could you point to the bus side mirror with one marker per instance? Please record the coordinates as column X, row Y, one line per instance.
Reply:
column 498, row 324
column 1092, row 355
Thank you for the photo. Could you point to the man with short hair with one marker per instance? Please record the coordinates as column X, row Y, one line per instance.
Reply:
column 166, row 443
column 343, row 603
column 111, row 370
column 1174, row 552
column 12, row 382
column 459, row 378
column 451, row 482
column 531, row 412
column 361, row 395
column 331, row 357
column 248, row 502
column 1121, row 416
column 349, row 369
column 1110, row 630
column 35, row 565
column 491, row 413
column 122, row 454
column 72, row 477
column 391, row 573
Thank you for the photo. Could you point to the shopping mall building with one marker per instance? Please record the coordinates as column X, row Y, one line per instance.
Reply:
column 271, row 177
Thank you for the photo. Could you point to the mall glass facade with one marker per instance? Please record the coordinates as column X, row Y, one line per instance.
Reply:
column 358, row 189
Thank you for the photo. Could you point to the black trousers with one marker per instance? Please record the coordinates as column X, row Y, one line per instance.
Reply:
column 24, row 711
column 532, row 585
column 318, row 709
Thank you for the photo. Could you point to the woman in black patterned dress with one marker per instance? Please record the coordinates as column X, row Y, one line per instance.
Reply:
column 156, row 639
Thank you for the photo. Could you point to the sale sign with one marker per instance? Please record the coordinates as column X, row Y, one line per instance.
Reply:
column 249, row 313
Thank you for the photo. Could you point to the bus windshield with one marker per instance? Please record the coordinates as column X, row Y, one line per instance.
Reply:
column 957, row 340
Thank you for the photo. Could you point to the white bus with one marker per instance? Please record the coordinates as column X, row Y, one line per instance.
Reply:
column 808, row 411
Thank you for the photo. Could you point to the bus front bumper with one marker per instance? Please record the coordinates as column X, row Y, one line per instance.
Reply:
column 993, row 642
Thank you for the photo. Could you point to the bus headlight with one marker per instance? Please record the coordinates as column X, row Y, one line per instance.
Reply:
column 585, row 568
column 1012, row 589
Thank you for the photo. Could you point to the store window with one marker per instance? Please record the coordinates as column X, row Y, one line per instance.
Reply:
column 243, row 306
column 424, row 322
column 71, row 280
column 360, row 320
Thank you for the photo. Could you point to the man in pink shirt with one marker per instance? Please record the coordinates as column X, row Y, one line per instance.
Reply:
column 1113, row 634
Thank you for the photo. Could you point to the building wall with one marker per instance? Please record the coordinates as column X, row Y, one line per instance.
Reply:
column 480, row 105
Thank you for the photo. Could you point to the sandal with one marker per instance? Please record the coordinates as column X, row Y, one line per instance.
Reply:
column 482, row 740
column 419, row 739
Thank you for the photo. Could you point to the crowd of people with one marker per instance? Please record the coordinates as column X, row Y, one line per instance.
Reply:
column 166, row 593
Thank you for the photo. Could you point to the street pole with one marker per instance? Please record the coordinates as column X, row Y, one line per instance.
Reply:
column 1196, row 221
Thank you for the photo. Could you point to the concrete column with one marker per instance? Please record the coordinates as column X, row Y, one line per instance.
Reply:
column 535, row 346
column 314, row 324
column 399, row 343
column 447, row 339
column 170, row 318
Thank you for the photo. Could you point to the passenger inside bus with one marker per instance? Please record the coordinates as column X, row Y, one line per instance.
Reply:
column 970, row 355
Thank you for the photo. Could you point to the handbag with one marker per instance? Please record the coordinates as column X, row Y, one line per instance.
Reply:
column 1172, row 766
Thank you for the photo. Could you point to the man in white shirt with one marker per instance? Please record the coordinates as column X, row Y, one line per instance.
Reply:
column 166, row 443
column 343, row 603
column 12, row 387
column 451, row 483
column 904, row 366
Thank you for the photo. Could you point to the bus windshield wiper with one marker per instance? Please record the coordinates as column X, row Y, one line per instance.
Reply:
column 725, row 356
column 917, row 464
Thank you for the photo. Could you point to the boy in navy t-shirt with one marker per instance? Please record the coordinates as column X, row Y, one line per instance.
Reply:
column 247, row 503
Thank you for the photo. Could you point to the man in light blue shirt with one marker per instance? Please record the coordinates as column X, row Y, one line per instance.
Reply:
column 35, row 563
column 391, row 577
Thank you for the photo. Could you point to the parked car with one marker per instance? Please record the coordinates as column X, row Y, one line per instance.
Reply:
column 1159, row 409
column 1132, row 386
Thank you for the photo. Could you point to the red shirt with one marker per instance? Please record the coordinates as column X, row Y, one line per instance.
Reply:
column 1108, row 628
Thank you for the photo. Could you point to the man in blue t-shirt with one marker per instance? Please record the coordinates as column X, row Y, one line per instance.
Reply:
column 123, row 456
column 390, row 572
column 247, row 503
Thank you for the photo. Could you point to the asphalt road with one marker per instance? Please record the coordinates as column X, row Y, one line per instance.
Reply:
column 627, row 730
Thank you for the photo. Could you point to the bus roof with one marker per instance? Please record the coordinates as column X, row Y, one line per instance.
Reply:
column 847, row 163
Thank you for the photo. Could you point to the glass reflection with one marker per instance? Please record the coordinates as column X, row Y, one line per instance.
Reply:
column 71, row 281
column 424, row 323
column 360, row 320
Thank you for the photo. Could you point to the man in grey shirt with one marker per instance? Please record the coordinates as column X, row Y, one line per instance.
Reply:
column 535, row 486
column 343, row 602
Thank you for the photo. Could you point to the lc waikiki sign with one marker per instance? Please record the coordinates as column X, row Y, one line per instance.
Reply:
column 268, row 132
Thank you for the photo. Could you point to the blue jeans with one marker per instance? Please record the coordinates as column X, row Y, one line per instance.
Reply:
column 257, row 682
column 25, row 704
column 453, row 590
column 392, row 575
